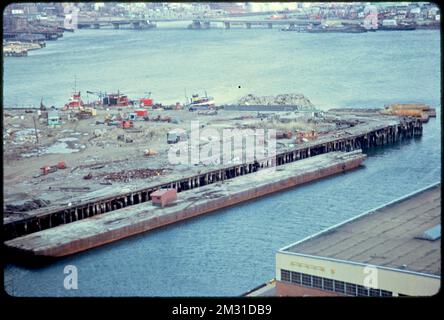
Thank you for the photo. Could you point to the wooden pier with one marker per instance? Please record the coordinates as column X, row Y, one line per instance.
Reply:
column 362, row 137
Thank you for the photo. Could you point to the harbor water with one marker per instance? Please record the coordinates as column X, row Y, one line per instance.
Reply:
column 228, row 252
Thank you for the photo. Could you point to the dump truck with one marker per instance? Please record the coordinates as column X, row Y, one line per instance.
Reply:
column 176, row 135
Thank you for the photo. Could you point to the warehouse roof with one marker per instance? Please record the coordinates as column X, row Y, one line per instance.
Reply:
column 392, row 236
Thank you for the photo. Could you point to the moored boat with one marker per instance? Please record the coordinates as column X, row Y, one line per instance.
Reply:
column 199, row 103
column 351, row 28
column 399, row 27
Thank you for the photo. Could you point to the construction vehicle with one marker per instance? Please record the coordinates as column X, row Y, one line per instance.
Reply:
column 162, row 119
column 126, row 124
column 89, row 110
column 176, row 135
column 49, row 169
column 86, row 112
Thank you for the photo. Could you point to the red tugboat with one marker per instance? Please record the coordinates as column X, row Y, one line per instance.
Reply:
column 75, row 101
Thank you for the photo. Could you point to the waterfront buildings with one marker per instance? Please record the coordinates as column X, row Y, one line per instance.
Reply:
column 393, row 251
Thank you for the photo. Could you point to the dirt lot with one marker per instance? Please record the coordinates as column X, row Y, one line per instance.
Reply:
column 97, row 150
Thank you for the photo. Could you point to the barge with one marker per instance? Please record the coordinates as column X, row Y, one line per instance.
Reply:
column 101, row 229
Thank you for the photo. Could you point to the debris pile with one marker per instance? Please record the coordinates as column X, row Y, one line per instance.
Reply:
column 126, row 175
column 23, row 136
column 290, row 99
column 27, row 206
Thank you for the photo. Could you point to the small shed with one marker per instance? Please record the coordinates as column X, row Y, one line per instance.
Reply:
column 53, row 118
column 163, row 197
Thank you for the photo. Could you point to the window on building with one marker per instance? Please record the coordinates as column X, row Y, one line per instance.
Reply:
column 332, row 285
column 350, row 289
column 317, row 282
column 296, row 277
column 285, row 275
column 385, row 293
column 362, row 291
column 328, row 285
column 339, row 286
column 306, row 280
column 375, row 292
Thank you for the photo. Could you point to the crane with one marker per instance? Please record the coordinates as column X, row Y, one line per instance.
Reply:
column 99, row 94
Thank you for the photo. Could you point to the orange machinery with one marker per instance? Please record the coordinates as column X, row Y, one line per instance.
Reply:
column 49, row 169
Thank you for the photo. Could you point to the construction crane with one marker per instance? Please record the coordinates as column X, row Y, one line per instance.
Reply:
column 99, row 94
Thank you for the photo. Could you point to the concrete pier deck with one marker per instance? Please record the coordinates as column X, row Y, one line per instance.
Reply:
column 104, row 228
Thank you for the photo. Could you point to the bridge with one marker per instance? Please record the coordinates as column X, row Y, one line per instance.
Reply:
column 196, row 23
column 116, row 23
column 228, row 23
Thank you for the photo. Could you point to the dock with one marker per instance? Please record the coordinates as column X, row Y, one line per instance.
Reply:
column 105, row 228
column 365, row 137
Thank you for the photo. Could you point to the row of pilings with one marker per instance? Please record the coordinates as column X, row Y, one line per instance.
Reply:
column 45, row 219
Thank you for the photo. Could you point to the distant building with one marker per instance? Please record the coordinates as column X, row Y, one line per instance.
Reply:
column 15, row 22
column 228, row 7
column 98, row 6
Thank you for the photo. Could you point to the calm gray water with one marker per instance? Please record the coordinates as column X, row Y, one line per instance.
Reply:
column 233, row 250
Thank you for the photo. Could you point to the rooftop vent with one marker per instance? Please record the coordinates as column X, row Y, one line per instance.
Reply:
column 431, row 234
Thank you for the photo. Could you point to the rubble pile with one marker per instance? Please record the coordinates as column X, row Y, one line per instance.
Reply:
column 22, row 136
column 27, row 206
column 126, row 175
column 290, row 99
